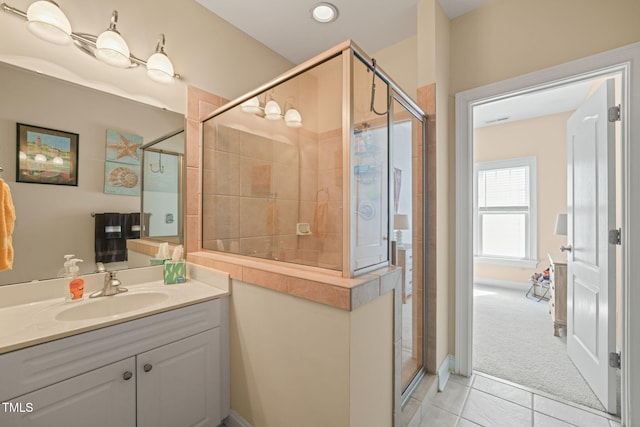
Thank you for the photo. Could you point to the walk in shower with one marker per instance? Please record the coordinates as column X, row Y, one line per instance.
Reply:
column 324, row 167
column 300, row 170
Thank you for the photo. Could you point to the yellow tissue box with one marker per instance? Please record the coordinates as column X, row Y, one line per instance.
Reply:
column 175, row 272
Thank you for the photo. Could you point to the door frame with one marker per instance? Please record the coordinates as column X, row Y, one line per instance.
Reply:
column 625, row 60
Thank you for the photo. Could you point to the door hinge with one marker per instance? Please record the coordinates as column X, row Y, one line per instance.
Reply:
column 614, row 360
column 615, row 237
column 614, row 113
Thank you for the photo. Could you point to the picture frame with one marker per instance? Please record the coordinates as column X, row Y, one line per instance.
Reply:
column 46, row 156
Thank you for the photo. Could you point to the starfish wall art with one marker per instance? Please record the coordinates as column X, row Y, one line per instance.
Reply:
column 122, row 166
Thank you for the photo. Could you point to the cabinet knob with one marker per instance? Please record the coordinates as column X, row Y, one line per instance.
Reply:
column 566, row 248
column 147, row 367
column 127, row 375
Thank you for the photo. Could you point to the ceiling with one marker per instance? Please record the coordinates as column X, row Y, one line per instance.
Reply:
column 286, row 27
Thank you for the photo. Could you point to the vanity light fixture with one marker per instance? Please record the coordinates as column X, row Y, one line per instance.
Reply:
column 272, row 110
column 111, row 47
column 324, row 12
column 48, row 22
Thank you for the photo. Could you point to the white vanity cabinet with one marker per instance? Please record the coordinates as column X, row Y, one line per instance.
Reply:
column 178, row 384
column 168, row 369
column 102, row 394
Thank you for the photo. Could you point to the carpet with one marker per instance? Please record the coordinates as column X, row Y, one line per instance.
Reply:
column 513, row 340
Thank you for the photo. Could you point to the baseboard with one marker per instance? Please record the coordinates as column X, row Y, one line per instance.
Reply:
column 501, row 283
column 235, row 420
column 444, row 371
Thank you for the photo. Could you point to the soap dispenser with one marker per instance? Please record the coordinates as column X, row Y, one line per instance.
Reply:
column 75, row 285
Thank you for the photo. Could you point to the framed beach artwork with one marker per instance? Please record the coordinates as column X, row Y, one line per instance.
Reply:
column 123, row 147
column 122, row 165
column 122, row 179
column 46, row 156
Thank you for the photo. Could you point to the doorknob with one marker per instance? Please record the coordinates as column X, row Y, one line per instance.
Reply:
column 566, row 248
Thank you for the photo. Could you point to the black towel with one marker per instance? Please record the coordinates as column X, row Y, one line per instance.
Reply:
column 110, row 240
column 132, row 225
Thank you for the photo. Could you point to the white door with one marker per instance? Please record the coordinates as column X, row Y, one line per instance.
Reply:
column 591, row 263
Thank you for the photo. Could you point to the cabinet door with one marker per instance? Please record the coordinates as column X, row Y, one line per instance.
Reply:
column 99, row 398
column 179, row 383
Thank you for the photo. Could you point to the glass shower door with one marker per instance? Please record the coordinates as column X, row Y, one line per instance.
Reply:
column 407, row 222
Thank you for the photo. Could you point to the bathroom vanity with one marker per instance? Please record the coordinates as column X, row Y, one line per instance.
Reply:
column 161, row 365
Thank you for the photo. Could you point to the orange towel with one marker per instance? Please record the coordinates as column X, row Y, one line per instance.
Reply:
column 7, row 220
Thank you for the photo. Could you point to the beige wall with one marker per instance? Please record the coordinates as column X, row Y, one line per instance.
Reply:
column 509, row 38
column 433, row 67
column 505, row 39
column 299, row 363
column 545, row 139
column 400, row 63
column 207, row 51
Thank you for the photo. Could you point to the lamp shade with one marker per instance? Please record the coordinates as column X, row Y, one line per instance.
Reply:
column 292, row 118
column 160, row 68
column 112, row 49
column 272, row 110
column 561, row 224
column 401, row 222
column 46, row 21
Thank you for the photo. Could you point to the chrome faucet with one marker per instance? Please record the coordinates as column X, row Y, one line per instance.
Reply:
column 111, row 286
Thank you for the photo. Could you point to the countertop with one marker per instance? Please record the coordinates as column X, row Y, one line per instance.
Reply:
column 35, row 322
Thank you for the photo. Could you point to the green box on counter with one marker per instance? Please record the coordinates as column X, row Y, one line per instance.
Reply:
column 175, row 272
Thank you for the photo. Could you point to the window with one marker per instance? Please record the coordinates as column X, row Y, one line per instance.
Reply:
column 505, row 212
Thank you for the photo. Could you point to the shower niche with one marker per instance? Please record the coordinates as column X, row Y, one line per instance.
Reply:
column 297, row 170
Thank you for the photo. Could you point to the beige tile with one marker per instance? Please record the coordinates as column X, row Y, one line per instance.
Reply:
column 390, row 280
column 234, row 270
column 485, row 409
column 503, row 391
column 466, row 423
column 452, row 398
column 320, row 292
column 265, row 279
column 286, row 182
column 256, row 147
column 221, row 217
column 222, row 172
column 542, row 420
column 411, row 415
column 568, row 413
column 462, row 380
column 253, row 217
column 193, row 141
column 434, row 416
column 367, row 292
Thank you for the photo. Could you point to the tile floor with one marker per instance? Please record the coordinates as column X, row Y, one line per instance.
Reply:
column 486, row 401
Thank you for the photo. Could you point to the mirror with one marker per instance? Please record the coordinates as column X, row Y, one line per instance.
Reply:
column 54, row 220
column 162, row 180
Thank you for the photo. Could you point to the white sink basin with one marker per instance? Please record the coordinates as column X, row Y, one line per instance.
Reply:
column 111, row 305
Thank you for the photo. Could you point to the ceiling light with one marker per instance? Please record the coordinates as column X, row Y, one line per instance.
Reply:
column 159, row 66
column 251, row 105
column 46, row 21
column 324, row 12
column 111, row 47
column 292, row 118
column 272, row 110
